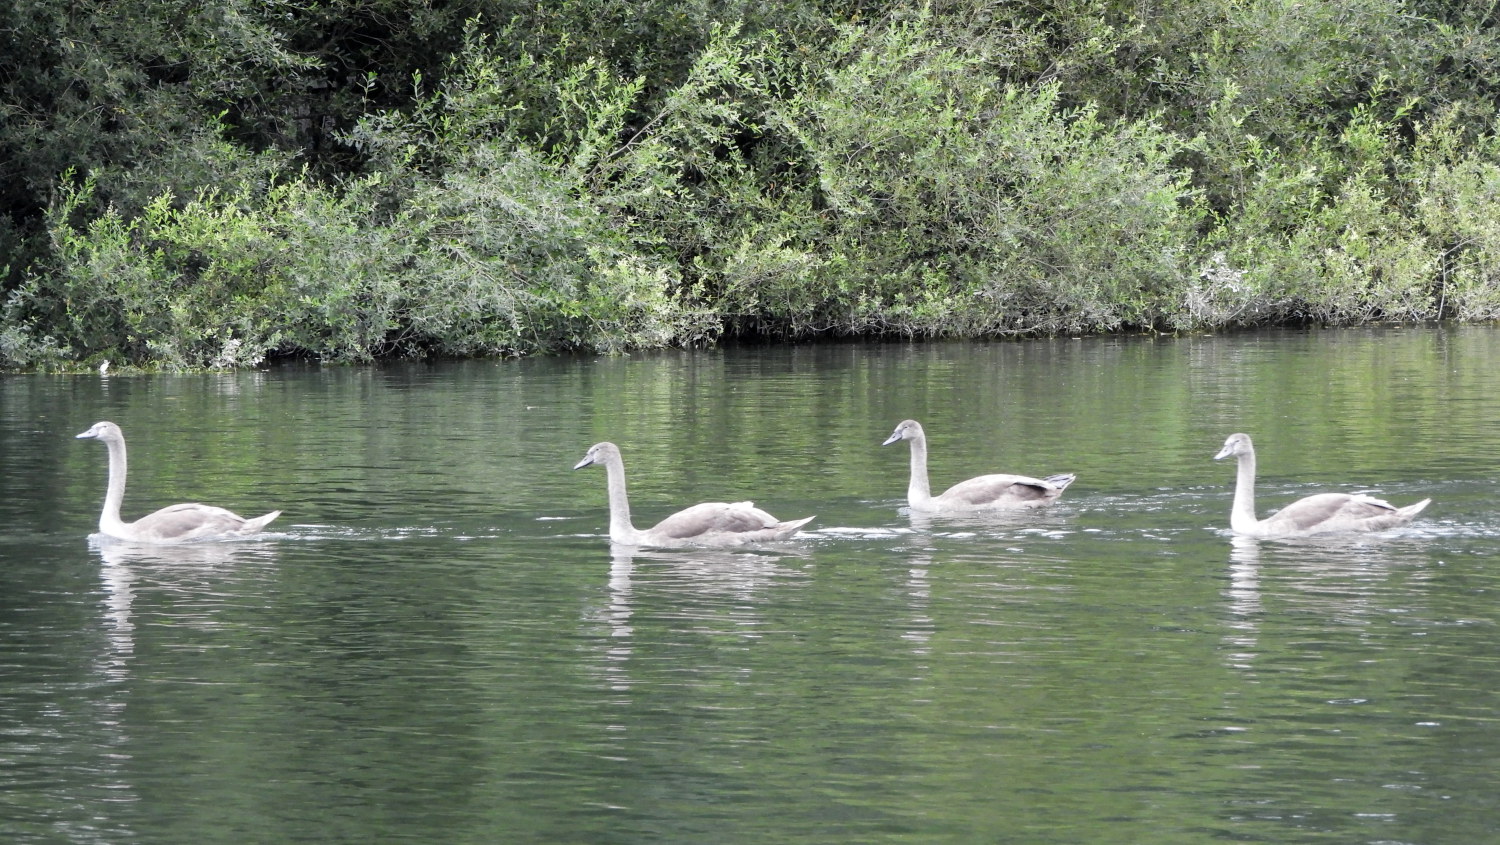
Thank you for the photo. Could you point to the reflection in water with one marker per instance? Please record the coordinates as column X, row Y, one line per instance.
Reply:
column 919, row 593
column 1342, row 583
column 119, row 596
column 665, row 602
column 918, row 584
column 1244, row 600
column 617, row 615
column 190, row 568
column 723, row 580
column 1053, row 519
column 735, row 574
column 187, row 557
column 128, row 571
column 621, row 564
column 1341, row 579
column 112, row 665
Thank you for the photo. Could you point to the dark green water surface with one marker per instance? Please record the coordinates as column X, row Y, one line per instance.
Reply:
column 436, row 643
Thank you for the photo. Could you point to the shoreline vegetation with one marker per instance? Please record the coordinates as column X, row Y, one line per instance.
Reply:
column 216, row 185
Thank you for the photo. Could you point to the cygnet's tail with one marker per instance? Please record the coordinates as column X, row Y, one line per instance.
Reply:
column 1061, row 481
column 1412, row 510
column 253, row 526
column 788, row 528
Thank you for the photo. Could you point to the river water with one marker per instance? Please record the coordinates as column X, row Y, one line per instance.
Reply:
column 436, row 642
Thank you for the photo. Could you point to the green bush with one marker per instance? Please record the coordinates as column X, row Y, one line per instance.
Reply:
column 956, row 204
column 610, row 176
column 1458, row 207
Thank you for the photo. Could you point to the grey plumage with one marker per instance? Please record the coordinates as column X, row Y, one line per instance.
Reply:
column 706, row 524
column 980, row 493
column 182, row 523
column 1323, row 513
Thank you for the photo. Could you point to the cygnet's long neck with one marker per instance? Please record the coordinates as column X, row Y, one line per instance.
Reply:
column 109, row 518
column 918, row 491
column 620, row 528
column 1242, row 512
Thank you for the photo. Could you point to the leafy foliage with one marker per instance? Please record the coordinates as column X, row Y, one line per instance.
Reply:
column 214, row 185
column 961, row 205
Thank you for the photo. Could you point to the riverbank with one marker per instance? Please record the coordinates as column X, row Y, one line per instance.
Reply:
column 917, row 175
